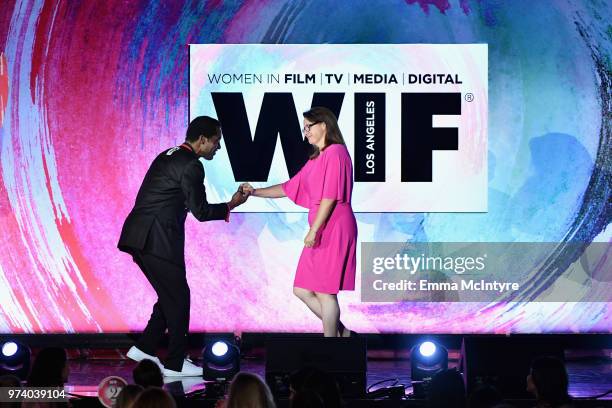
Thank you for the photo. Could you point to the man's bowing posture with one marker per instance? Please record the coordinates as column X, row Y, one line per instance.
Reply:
column 154, row 234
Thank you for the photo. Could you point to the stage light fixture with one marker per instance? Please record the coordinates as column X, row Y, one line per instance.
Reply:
column 221, row 360
column 426, row 359
column 15, row 359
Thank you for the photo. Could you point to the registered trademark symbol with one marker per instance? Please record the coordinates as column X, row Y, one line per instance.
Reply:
column 469, row 97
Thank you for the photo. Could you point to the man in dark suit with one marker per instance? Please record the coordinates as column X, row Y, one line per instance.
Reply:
column 154, row 234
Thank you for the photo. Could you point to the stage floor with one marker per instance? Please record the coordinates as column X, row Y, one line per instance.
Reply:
column 589, row 376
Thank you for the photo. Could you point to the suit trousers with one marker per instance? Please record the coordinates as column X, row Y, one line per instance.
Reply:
column 171, row 311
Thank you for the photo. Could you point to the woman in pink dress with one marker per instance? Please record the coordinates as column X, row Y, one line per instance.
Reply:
column 324, row 185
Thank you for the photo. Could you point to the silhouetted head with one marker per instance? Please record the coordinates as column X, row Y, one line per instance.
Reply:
column 446, row 390
column 154, row 397
column 314, row 382
column 249, row 391
column 484, row 396
column 128, row 395
column 307, row 399
column 10, row 381
column 50, row 368
column 148, row 374
column 548, row 381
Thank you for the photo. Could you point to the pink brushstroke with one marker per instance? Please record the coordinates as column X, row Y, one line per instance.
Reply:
column 4, row 86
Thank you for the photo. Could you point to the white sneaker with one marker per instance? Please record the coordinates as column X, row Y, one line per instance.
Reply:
column 138, row 355
column 189, row 370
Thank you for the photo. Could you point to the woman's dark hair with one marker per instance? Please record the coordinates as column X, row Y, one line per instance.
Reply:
column 48, row 368
column 202, row 125
column 148, row 374
column 333, row 136
column 550, row 379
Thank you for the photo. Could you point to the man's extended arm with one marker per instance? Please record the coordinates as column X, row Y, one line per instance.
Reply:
column 192, row 184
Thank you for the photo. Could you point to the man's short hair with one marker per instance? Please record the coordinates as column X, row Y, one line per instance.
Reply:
column 202, row 125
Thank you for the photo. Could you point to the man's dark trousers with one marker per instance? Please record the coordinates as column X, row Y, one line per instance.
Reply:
column 171, row 311
column 154, row 234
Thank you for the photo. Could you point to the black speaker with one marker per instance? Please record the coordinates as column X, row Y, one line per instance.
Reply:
column 344, row 358
column 503, row 362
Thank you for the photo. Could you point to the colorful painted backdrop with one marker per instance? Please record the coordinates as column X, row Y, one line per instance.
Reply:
column 91, row 91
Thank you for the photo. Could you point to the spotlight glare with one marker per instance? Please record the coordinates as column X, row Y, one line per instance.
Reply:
column 9, row 348
column 427, row 349
column 219, row 349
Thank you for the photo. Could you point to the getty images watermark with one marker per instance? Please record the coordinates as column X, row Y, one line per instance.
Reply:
column 486, row 272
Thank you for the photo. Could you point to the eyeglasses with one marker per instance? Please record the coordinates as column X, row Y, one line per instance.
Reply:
column 306, row 128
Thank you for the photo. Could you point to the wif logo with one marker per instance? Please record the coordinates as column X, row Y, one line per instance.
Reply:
column 251, row 155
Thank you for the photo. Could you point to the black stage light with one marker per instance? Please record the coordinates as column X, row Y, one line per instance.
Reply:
column 426, row 359
column 221, row 360
column 14, row 359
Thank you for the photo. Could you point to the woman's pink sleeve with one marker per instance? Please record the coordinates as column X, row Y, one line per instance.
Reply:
column 295, row 191
column 337, row 177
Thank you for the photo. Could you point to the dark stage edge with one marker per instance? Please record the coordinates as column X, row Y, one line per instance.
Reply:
column 94, row 357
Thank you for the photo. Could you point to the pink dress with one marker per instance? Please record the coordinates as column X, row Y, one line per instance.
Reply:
column 329, row 266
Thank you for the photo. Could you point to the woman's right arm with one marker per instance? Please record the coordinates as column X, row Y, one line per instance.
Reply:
column 275, row 191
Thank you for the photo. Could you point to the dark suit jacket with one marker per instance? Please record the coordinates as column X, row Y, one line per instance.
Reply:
column 173, row 185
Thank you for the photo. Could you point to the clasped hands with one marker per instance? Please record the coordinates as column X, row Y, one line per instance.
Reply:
column 239, row 197
column 246, row 188
column 311, row 237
